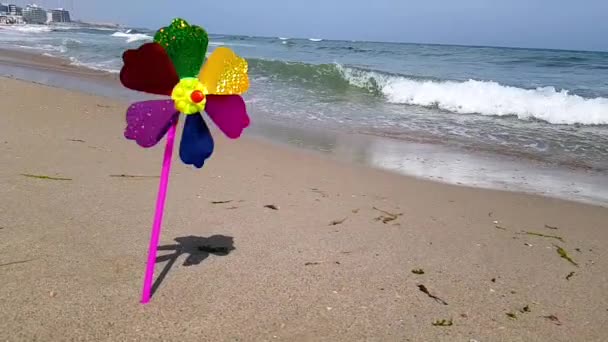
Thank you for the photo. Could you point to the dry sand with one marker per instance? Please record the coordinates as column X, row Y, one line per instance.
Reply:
column 72, row 252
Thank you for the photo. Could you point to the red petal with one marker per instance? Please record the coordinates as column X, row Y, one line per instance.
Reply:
column 149, row 69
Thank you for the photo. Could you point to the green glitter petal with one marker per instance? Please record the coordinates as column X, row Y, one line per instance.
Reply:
column 185, row 44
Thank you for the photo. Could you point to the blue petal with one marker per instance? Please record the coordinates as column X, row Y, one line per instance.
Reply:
column 197, row 144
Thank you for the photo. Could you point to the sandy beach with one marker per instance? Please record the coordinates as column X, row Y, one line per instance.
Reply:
column 345, row 256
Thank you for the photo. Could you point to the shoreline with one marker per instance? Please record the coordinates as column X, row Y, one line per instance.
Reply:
column 481, row 169
column 340, row 259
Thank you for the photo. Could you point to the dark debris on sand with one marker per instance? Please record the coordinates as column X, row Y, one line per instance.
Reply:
column 337, row 222
column 46, row 177
column 553, row 319
column 221, row 202
column 423, row 289
column 443, row 323
column 386, row 216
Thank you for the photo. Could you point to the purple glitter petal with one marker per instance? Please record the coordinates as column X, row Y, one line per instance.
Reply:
column 229, row 113
column 148, row 121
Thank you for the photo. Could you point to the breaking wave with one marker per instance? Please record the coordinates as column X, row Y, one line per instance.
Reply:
column 131, row 37
column 556, row 106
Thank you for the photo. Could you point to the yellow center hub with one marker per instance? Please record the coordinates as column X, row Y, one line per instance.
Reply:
column 189, row 96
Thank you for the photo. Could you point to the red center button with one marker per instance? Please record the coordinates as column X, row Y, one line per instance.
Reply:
column 197, row 96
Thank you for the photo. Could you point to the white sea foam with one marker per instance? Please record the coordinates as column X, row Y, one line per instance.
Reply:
column 80, row 27
column 71, row 41
column 485, row 98
column 315, row 39
column 107, row 66
column 220, row 43
column 65, row 28
column 131, row 37
column 26, row 28
column 283, row 38
column 44, row 47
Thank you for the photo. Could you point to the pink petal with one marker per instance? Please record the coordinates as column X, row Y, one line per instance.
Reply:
column 229, row 113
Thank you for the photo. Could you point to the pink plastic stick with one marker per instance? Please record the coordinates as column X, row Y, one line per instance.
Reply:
column 158, row 215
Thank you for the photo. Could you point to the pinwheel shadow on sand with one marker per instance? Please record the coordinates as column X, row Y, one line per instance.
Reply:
column 197, row 249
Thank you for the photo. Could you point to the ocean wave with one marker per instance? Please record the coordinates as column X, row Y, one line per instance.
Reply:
column 469, row 97
column 486, row 98
column 326, row 76
column 26, row 28
column 67, row 42
column 64, row 47
column 589, row 60
column 107, row 66
column 74, row 27
column 345, row 48
column 220, row 43
column 132, row 37
column 44, row 47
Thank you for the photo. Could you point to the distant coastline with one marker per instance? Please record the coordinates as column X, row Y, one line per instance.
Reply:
column 79, row 23
column 95, row 24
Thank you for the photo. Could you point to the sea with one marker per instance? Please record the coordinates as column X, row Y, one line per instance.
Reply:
column 547, row 107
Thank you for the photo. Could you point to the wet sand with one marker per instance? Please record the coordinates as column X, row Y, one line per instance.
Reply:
column 404, row 155
column 334, row 263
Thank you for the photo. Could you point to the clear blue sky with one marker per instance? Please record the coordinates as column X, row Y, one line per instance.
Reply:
column 567, row 24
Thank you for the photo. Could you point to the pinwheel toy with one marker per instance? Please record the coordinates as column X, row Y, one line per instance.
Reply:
column 171, row 66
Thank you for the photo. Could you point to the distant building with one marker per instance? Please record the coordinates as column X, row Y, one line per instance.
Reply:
column 3, row 9
column 60, row 15
column 33, row 14
column 15, row 10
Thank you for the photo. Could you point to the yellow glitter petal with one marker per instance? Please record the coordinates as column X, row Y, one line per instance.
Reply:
column 224, row 73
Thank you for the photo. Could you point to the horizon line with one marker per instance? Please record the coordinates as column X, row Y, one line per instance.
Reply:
column 605, row 50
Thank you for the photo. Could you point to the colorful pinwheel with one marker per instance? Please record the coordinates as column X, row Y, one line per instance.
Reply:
column 171, row 65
